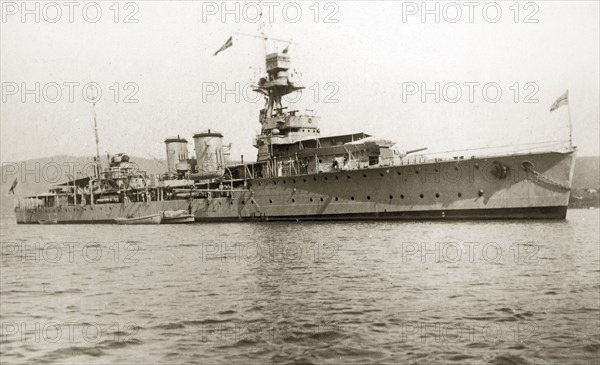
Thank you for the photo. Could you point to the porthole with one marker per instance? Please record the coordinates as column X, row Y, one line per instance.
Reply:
column 417, row 172
column 437, row 195
column 337, row 177
column 284, row 181
column 336, row 198
column 325, row 178
column 368, row 197
column 304, row 180
column 421, row 196
column 351, row 198
column 459, row 195
column 391, row 197
column 321, row 199
column 348, row 177
column 294, row 181
column 311, row 199
column 364, row 175
column 270, row 201
column 399, row 173
column 314, row 178
column 293, row 200
column 401, row 196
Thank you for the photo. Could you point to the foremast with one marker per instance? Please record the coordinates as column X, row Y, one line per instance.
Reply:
column 279, row 125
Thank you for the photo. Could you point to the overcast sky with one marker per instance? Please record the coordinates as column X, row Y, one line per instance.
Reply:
column 356, row 68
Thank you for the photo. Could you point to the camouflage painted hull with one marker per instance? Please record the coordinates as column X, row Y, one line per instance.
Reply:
column 526, row 186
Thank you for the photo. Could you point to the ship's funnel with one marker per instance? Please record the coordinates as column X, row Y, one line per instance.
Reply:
column 209, row 154
column 177, row 153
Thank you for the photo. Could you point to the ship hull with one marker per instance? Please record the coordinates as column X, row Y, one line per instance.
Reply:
column 467, row 214
column 523, row 186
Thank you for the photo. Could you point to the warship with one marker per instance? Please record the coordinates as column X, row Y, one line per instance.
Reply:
column 300, row 175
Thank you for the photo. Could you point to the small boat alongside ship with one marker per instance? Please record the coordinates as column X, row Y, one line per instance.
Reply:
column 147, row 219
column 177, row 217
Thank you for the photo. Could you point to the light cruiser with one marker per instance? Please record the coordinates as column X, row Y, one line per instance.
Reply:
column 300, row 175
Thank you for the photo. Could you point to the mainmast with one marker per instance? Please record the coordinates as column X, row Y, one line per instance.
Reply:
column 98, row 162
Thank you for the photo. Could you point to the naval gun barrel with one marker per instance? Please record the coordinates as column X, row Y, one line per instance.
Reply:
column 415, row 150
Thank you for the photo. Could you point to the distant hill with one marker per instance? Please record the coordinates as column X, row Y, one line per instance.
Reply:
column 587, row 172
column 34, row 176
column 586, row 183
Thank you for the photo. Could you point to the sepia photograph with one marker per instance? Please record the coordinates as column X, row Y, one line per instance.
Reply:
column 300, row 182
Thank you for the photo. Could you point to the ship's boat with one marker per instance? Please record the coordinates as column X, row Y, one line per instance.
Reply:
column 147, row 219
column 188, row 218
column 177, row 217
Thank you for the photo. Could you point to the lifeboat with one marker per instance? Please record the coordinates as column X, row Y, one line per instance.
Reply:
column 147, row 219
